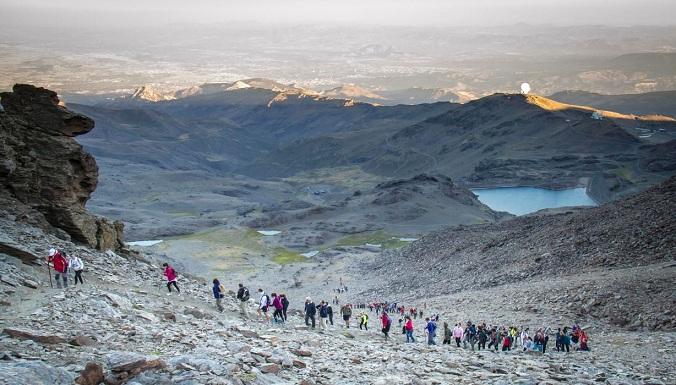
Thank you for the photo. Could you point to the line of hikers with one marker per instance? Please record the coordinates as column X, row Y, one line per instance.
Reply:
column 480, row 336
column 504, row 338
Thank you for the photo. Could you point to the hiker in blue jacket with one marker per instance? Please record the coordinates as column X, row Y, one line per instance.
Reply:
column 431, row 330
column 218, row 294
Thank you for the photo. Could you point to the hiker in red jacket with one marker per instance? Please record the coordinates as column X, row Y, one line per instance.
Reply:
column 170, row 273
column 408, row 329
column 60, row 265
column 387, row 323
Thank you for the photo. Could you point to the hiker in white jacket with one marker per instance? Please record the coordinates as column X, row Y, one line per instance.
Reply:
column 75, row 263
column 263, row 305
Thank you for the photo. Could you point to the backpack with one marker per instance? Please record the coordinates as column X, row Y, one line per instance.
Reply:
column 245, row 295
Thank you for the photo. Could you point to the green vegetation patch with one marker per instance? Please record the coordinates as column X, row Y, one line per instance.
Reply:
column 625, row 173
column 178, row 213
column 248, row 238
column 284, row 256
column 387, row 241
column 349, row 177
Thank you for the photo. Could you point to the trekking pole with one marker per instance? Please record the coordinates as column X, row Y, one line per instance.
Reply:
column 49, row 272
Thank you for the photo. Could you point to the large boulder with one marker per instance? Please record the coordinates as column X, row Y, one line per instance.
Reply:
column 34, row 373
column 91, row 375
column 43, row 168
column 125, row 361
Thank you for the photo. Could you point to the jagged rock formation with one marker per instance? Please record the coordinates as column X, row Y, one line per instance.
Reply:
column 46, row 177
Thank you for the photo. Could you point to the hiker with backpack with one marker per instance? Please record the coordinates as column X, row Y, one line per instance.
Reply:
column 386, row 323
column 447, row 335
column 170, row 274
column 310, row 312
column 545, row 338
column 329, row 309
column 60, row 265
column 243, row 297
column 494, row 338
column 408, row 329
column 431, row 331
column 277, row 315
column 482, row 336
column 470, row 335
column 346, row 312
column 506, row 341
column 263, row 305
column 524, row 338
column 75, row 263
column 219, row 293
column 565, row 340
column 559, row 340
column 323, row 315
column 285, row 305
column 538, row 340
column 584, row 341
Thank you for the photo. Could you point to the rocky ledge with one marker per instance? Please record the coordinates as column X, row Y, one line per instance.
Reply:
column 46, row 178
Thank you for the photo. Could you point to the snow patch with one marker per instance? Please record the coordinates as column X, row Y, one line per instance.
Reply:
column 408, row 239
column 145, row 243
column 269, row 232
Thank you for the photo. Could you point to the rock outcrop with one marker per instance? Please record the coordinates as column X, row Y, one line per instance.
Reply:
column 46, row 177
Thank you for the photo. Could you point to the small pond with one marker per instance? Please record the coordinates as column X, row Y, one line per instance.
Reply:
column 525, row 200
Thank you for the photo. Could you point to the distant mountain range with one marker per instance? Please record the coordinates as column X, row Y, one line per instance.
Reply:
column 346, row 92
column 265, row 129
column 249, row 150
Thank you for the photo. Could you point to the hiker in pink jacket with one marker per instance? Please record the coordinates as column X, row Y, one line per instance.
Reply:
column 277, row 315
column 457, row 334
column 170, row 273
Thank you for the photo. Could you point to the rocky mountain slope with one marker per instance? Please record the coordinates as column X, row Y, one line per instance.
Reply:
column 46, row 177
column 627, row 237
column 120, row 327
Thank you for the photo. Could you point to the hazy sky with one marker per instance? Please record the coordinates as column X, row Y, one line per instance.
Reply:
column 395, row 12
